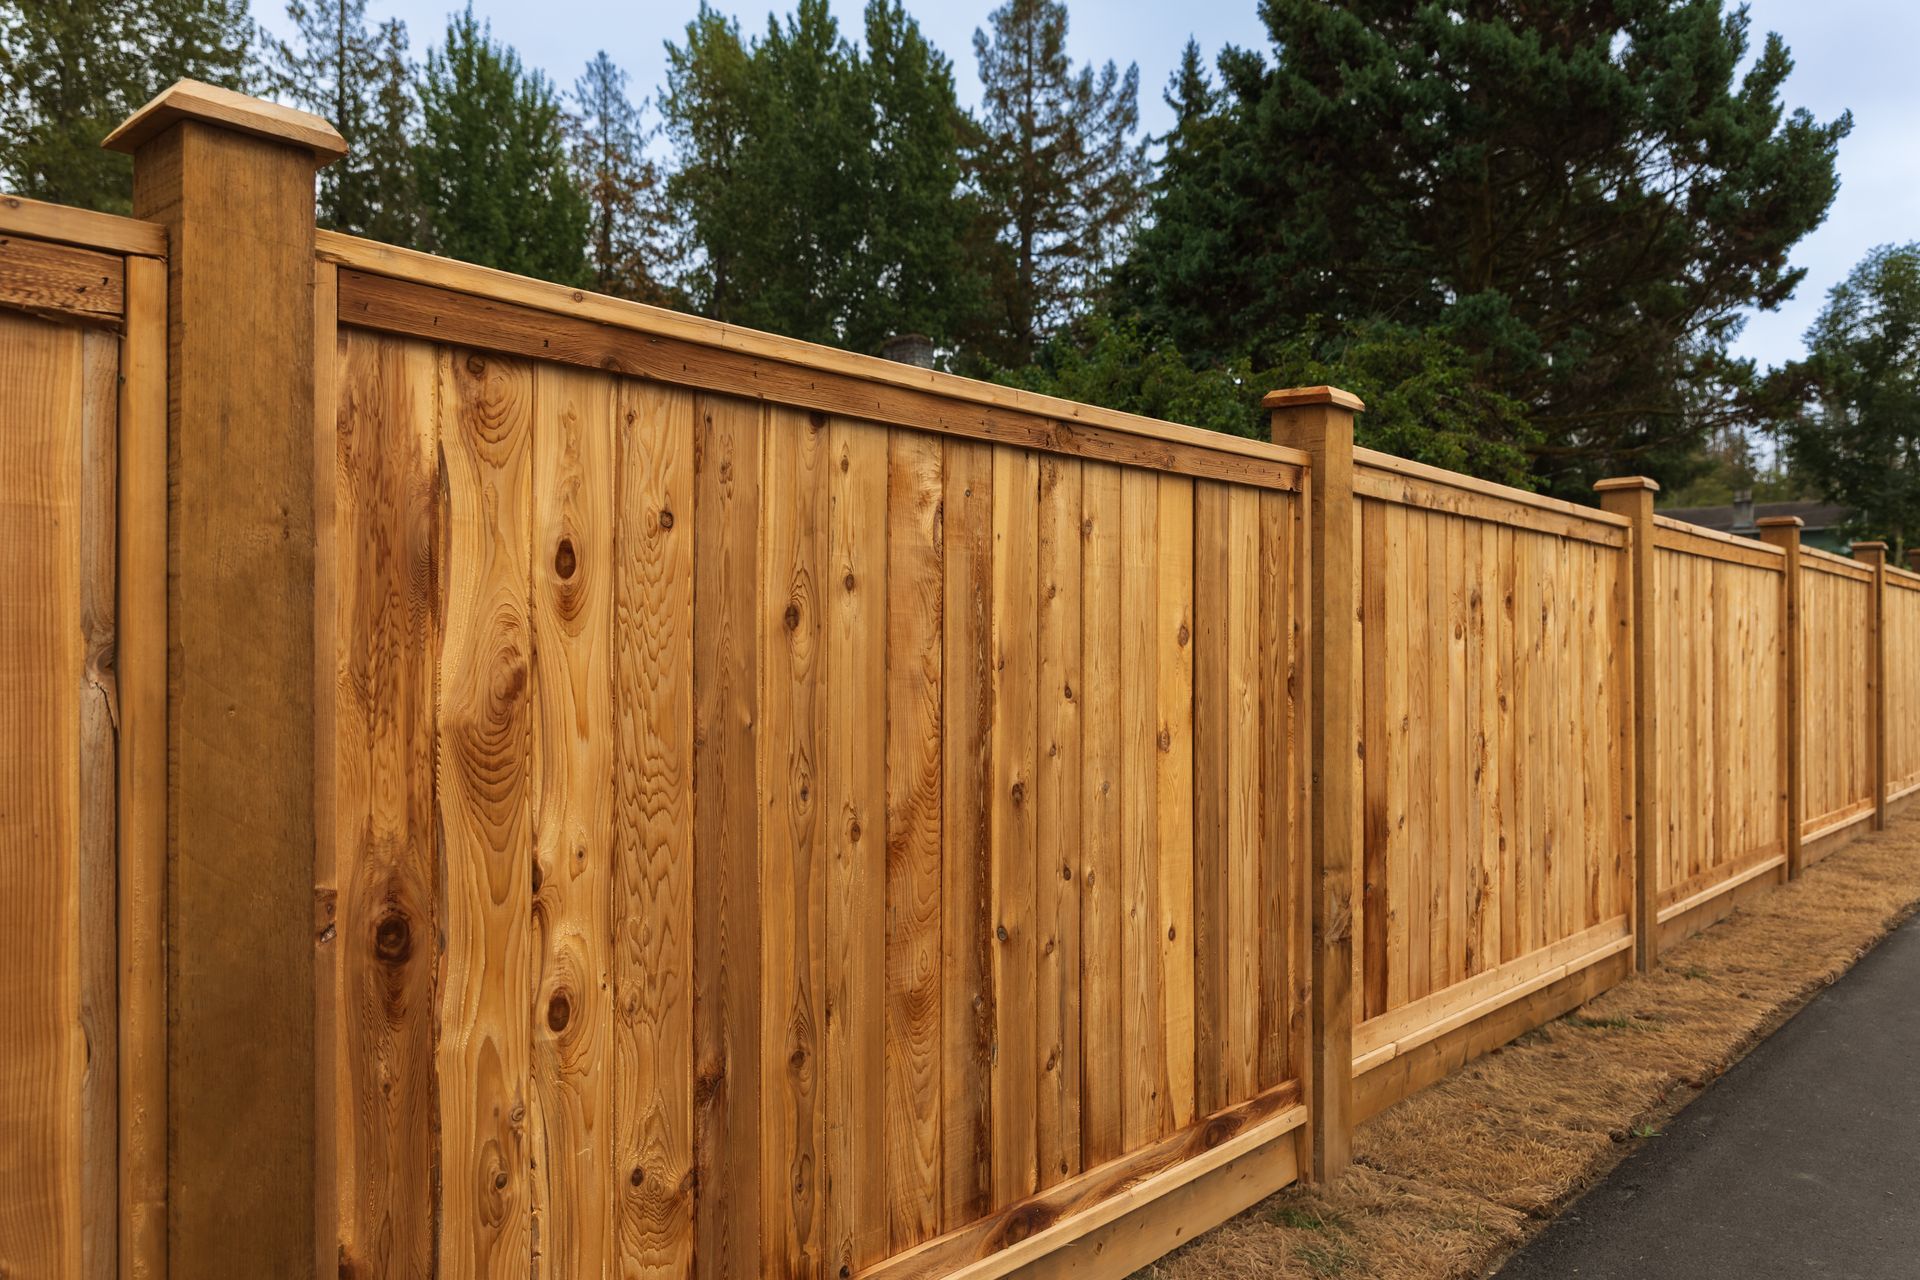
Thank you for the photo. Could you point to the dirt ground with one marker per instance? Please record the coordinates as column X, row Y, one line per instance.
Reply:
column 1450, row 1181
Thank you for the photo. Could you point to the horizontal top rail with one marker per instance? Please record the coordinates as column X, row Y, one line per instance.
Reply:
column 1906, row 578
column 1384, row 477
column 1828, row 562
column 20, row 216
column 1158, row 440
column 1690, row 539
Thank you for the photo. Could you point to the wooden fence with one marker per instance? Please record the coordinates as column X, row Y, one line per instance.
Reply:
column 563, row 787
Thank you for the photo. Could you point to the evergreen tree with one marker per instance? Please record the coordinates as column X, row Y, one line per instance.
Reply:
column 491, row 161
column 1859, row 436
column 817, row 182
column 625, row 193
column 1060, row 176
column 362, row 81
column 72, row 70
column 1581, row 197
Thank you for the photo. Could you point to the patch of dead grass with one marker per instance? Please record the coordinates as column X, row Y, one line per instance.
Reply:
column 1448, row 1182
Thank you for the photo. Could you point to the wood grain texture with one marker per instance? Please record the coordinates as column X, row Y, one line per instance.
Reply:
column 728, row 985
column 795, row 848
column 385, row 860
column 1142, row 1027
column 484, row 747
column 1015, row 1064
column 854, row 601
column 141, row 663
column 1059, row 873
column 916, row 597
column 42, row 667
column 967, row 1011
column 55, row 278
column 654, row 870
column 1102, row 902
column 570, row 1119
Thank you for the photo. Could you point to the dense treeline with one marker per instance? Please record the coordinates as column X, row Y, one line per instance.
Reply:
column 1525, row 233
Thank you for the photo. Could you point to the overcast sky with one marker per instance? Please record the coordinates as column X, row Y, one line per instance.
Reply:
column 1853, row 55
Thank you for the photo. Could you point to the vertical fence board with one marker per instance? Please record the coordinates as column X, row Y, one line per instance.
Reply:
column 1172, row 851
column 1103, row 904
column 484, row 741
column 1058, row 874
column 656, row 520
column 1142, row 1039
column 967, row 1023
column 728, row 988
column 570, row 1131
column 914, row 726
column 41, row 670
column 386, row 860
column 794, row 539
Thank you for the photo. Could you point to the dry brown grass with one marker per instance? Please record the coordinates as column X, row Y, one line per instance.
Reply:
column 1448, row 1182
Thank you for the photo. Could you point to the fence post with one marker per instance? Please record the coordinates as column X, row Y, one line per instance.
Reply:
column 232, row 180
column 1632, row 497
column 1784, row 532
column 1913, row 559
column 1319, row 422
column 1875, row 555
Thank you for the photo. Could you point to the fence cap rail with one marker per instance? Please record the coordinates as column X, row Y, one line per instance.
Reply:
column 1295, row 397
column 193, row 100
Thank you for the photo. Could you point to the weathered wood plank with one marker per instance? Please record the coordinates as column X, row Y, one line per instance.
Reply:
column 56, row 278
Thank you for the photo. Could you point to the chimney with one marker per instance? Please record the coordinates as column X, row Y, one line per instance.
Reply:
column 909, row 348
column 1743, row 511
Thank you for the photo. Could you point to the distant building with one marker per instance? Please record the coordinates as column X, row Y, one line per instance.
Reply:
column 1821, row 525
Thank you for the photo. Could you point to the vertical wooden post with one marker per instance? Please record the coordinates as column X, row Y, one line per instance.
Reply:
column 1632, row 497
column 1319, row 422
column 1913, row 559
column 232, row 180
column 1875, row 555
column 1784, row 532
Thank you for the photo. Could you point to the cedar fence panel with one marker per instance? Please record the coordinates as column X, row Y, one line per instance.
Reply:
column 1836, row 613
column 1902, row 667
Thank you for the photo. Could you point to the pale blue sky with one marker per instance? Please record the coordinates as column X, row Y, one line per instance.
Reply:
column 1851, row 54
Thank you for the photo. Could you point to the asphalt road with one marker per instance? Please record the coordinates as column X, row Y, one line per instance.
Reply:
column 1803, row 1161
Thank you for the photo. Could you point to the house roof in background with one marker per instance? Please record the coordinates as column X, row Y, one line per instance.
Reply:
column 1813, row 515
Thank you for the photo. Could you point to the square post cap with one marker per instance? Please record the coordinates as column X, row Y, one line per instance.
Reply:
column 209, row 104
column 1868, row 546
column 1869, row 551
column 1616, row 484
column 1779, row 522
column 1300, row 397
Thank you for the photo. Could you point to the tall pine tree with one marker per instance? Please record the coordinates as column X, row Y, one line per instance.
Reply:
column 1059, row 171
column 818, row 183
column 492, row 163
column 1581, row 198
column 625, row 192
column 362, row 81
column 72, row 70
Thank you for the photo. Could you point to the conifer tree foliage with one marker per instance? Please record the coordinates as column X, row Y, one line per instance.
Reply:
column 361, row 80
column 491, row 161
column 72, row 70
column 1060, row 174
column 1582, row 197
column 1858, row 437
column 625, row 193
column 818, row 182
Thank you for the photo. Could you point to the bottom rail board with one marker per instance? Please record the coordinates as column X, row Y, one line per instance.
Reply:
column 1021, row 1234
column 1676, row 927
column 1381, row 1087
